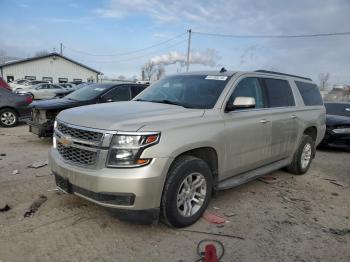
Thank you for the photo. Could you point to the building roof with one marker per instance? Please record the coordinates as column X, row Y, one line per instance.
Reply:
column 46, row 56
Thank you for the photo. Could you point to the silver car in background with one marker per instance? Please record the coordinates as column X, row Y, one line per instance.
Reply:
column 44, row 91
column 186, row 136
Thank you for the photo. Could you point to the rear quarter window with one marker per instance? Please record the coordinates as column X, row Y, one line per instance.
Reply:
column 310, row 93
column 278, row 93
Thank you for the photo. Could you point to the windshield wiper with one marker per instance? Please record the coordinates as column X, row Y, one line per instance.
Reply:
column 169, row 102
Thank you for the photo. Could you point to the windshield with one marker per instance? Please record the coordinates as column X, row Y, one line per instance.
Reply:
column 338, row 109
column 88, row 92
column 192, row 91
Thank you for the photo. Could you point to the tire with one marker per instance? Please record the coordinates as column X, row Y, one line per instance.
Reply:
column 299, row 165
column 8, row 117
column 186, row 169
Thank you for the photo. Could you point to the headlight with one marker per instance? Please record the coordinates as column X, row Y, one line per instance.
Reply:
column 341, row 131
column 126, row 149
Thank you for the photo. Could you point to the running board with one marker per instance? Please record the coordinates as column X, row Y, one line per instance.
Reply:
column 251, row 175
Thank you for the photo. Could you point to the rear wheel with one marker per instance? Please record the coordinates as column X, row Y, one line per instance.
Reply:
column 303, row 156
column 8, row 117
column 187, row 191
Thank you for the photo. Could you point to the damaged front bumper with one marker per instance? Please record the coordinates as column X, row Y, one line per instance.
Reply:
column 41, row 123
column 41, row 130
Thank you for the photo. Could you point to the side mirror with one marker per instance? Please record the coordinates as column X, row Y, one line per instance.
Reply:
column 241, row 102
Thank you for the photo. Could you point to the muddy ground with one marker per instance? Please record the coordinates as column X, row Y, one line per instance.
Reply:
column 295, row 219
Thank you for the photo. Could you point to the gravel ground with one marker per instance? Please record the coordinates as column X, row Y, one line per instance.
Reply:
column 296, row 219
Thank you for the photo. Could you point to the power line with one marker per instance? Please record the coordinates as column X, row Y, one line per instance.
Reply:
column 126, row 53
column 273, row 36
column 137, row 57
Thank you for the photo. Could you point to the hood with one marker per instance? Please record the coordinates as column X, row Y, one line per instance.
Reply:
column 126, row 116
column 334, row 120
column 53, row 104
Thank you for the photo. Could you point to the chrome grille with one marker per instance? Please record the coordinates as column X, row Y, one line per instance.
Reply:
column 79, row 133
column 77, row 155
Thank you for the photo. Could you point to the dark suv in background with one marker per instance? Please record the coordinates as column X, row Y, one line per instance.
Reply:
column 44, row 112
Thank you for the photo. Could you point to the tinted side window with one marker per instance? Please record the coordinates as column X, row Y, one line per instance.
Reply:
column 248, row 87
column 278, row 93
column 338, row 109
column 137, row 89
column 120, row 93
column 310, row 93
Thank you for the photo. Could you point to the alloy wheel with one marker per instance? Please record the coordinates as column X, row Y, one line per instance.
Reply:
column 191, row 194
column 8, row 118
column 306, row 155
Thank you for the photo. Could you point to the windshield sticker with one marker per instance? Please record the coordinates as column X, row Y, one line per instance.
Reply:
column 98, row 89
column 220, row 78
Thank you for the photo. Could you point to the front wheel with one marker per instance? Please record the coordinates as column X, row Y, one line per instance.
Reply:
column 303, row 156
column 187, row 191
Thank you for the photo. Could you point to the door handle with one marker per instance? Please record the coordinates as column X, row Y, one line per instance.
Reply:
column 264, row 121
column 293, row 116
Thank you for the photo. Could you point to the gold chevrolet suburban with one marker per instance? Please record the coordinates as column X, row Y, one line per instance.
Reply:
column 164, row 153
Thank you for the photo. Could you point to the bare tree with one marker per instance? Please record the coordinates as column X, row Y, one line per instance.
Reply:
column 323, row 78
column 149, row 70
column 41, row 53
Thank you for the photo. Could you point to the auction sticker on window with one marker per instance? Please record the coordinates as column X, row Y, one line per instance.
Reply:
column 220, row 78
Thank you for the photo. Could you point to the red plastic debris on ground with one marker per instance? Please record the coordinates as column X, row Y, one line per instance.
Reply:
column 213, row 218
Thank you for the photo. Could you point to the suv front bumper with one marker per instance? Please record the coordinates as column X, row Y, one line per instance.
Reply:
column 122, row 189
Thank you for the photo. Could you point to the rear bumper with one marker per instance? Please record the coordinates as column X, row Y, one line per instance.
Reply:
column 41, row 130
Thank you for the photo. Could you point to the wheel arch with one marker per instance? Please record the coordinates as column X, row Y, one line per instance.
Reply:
column 9, row 107
column 311, row 131
column 206, row 153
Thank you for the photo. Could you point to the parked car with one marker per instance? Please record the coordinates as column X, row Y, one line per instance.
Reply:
column 28, row 84
column 338, row 124
column 13, row 108
column 44, row 112
column 3, row 84
column 185, row 136
column 44, row 91
column 19, row 83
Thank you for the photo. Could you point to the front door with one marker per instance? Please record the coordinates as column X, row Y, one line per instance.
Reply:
column 247, row 131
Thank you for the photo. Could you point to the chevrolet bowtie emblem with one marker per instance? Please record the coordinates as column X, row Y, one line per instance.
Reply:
column 65, row 140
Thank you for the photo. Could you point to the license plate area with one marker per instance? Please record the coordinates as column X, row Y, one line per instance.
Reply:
column 63, row 183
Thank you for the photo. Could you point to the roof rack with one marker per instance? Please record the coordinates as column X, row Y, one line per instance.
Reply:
column 282, row 74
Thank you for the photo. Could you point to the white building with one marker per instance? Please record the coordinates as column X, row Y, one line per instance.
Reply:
column 52, row 67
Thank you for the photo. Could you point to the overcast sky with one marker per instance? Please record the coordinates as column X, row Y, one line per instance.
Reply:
column 121, row 26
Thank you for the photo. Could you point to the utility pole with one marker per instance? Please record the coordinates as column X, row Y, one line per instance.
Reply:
column 61, row 49
column 188, row 50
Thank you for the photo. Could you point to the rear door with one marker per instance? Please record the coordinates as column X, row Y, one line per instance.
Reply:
column 247, row 131
column 281, row 108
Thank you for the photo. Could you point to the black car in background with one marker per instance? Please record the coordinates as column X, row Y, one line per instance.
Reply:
column 338, row 124
column 13, row 107
column 45, row 112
